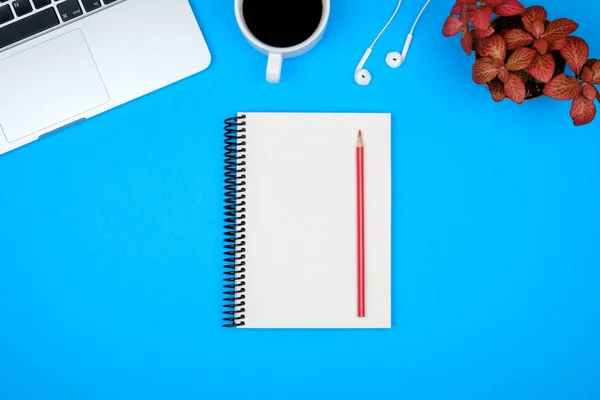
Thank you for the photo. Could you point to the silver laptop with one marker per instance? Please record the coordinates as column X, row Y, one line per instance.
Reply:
column 63, row 61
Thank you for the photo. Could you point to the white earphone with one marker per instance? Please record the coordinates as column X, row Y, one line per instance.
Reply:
column 394, row 59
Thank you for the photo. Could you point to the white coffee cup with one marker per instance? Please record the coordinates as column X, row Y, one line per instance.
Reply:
column 277, row 54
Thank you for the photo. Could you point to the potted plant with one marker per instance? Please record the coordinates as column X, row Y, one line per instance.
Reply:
column 522, row 55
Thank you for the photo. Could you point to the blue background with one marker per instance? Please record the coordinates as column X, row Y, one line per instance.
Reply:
column 111, row 234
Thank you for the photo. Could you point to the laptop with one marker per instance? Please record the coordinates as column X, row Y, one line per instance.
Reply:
column 64, row 61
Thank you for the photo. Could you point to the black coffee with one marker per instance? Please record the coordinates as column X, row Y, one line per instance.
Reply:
column 282, row 23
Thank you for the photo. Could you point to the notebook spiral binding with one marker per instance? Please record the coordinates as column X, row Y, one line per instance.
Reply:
column 235, row 231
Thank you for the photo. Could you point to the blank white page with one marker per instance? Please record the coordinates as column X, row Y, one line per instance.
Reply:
column 301, row 220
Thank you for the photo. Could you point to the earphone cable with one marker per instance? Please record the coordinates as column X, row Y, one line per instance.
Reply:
column 388, row 24
column 419, row 17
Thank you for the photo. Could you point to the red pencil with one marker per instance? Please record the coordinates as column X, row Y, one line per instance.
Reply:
column 360, row 223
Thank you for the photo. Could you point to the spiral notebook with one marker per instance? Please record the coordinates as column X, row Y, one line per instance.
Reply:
column 290, row 209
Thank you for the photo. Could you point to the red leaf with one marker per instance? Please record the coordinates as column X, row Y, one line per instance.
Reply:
column 456, row 9
column 542, row 68
column 520, row 59
column 497, row 90
column 453, row 26
column 509, row 8
column 503, row 75
column 541, row 45
column 557, row 44
column 481, row 17
column 463, row 11
column 590, row 92
column 515, row 89
column 586, row 75
column 467, row 42
column 516, row 38
column 532, row 14
column 595, row 73
column 560, row 29
column 495, row 3
column 495, row 48
column 524, row 76
column 563, row 87
column 484, row 34
column 590, row 63
column 583, row 111
column 576, row 53
column 538, row 29
column 484, row 71
column 479, row 44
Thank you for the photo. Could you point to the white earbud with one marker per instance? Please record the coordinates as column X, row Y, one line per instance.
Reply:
column 395, row 59
column 361, row 75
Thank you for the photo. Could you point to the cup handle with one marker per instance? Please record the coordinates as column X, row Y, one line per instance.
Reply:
column 274, row 67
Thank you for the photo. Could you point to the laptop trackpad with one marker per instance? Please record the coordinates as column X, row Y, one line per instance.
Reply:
column 46, row 85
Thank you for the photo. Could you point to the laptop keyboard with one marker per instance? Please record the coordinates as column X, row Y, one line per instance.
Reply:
column 22, row 19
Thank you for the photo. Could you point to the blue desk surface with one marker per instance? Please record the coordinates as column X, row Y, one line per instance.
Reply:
column 111, row 235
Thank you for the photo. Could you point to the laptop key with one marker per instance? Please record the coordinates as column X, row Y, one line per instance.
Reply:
column 27, row 27
column 22, row 7
column 6, row 14
column 90, row 5
column 69, row 9
column 41, row 3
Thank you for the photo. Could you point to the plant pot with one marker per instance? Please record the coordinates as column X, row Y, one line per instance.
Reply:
column 535, row 89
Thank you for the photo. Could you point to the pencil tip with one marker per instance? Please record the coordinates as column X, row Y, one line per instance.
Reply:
column 359, row 133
